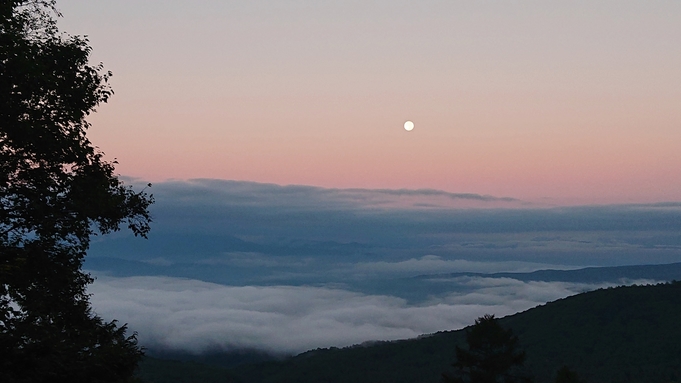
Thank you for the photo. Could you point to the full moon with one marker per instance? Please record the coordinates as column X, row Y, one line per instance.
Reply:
column 408, row 126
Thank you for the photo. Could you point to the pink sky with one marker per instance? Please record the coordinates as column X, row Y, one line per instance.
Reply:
column 566, row 101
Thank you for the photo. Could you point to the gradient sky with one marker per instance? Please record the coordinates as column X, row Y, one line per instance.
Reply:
column 561, row 101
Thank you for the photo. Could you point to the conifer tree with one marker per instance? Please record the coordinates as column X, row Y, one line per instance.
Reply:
column 493, row 355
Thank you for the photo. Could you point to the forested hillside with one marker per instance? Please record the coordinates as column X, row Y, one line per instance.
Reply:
column 624, row 334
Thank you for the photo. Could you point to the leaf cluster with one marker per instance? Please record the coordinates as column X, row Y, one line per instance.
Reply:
column 56, row 192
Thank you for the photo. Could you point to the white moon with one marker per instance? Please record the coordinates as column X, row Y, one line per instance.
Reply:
column 408, row 126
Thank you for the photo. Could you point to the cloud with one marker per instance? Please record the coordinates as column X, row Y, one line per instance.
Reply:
column 190, row 315
column 512, row 295
column 245, row 233
column 243, row 193
column 217, row 206
column 340, row 265
column 206, row 218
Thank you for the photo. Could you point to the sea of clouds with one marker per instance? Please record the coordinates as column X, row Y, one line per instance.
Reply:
column 240, row 265
column 190, row 315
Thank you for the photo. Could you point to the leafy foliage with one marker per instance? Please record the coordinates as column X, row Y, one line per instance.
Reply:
column 492, row 355
column 56, row 191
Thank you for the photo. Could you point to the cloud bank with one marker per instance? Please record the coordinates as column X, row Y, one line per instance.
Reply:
column 190, row 315
column 244, row 193
column 245, row 233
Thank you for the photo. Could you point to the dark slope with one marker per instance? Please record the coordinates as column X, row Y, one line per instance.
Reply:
column 407, row 361
column 153, row 370
column 624, row 334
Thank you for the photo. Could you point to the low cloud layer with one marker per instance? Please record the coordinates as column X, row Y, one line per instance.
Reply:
column 190, row 315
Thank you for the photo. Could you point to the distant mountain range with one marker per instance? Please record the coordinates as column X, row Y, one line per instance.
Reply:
column 416, row 288
column 666, row 272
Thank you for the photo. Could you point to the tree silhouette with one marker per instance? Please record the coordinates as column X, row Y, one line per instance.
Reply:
column 566, row 375
column 56, row 191
column 492, row 356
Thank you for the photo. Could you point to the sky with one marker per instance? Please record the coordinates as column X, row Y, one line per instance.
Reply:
column 289, row 195
column 561, row 102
